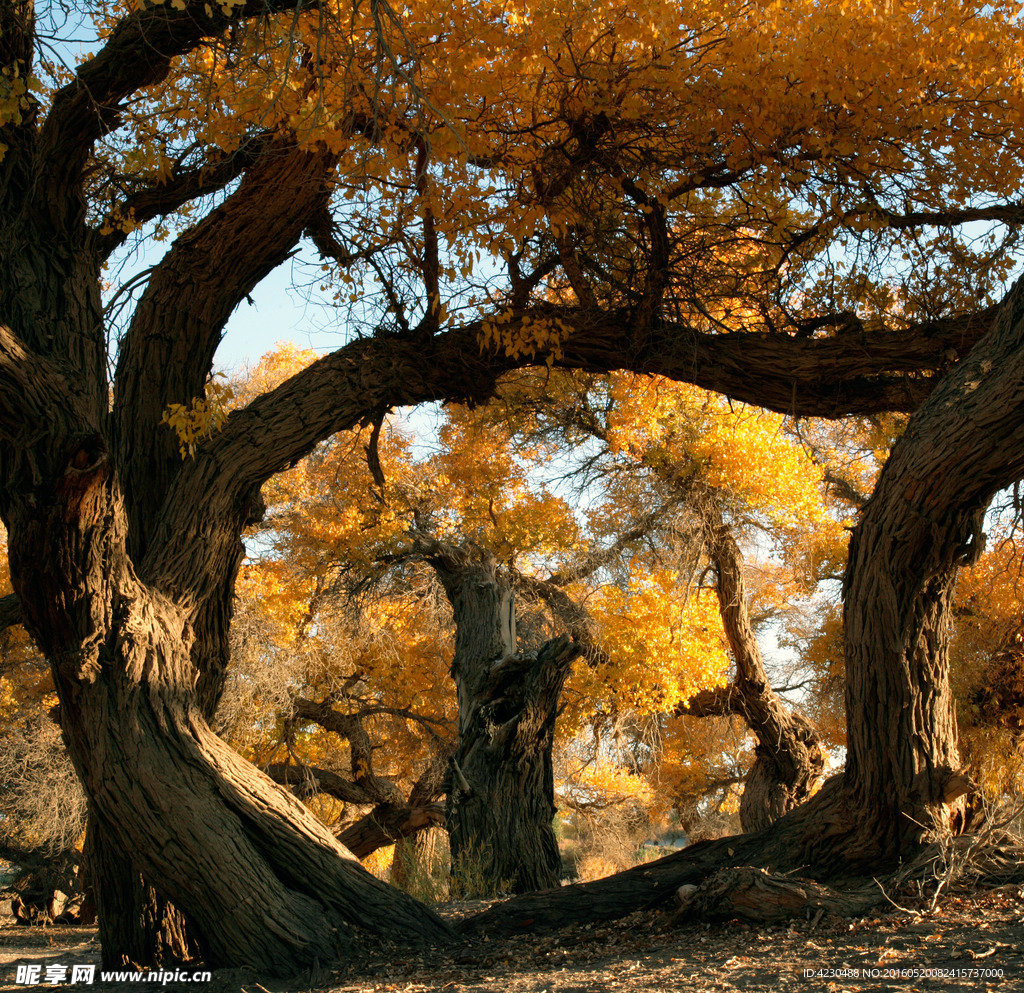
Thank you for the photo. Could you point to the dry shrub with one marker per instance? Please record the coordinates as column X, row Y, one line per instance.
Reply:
column 42, row 806
column 42, row 820
column 597, row 866
column 609, row 841
column 715, row 825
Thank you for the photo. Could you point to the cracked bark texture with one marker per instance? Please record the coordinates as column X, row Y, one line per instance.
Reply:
column 501, row 800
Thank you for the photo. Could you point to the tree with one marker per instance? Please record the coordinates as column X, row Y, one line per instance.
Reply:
column 789, row 759
column 729, row 470
column 659, row 170
column 332, row 536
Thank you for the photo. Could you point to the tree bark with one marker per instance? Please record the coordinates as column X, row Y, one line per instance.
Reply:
column 501, row 802
column 417, row 860
column 137, row 927
column 162, row 785
column 388, row 823
column 755, row 895
column 924, row 521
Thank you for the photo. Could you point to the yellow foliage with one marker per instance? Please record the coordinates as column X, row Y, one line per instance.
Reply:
column 987, row 666
column 666, row 644
column 526, row 335
column 743, row 451
column 379, row 862
column 606, row 784
column 201, row 416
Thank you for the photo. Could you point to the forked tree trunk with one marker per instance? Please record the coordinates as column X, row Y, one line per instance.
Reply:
column 501, row 803
column 199, row 823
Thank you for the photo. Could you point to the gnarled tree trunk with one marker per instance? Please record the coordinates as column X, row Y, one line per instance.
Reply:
column 199, row 822
column 137, row 927
column 502, row 798
column 924, row 521
column 789, row 758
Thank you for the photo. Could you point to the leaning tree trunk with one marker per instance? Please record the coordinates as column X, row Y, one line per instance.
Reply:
column 789, row 759
column 904, row 784
column 502, row 799
column 138, row 926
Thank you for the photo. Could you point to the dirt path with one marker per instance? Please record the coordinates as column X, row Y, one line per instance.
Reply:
column 968, row 943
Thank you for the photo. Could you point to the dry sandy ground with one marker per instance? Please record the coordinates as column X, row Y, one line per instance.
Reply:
column 969, row 942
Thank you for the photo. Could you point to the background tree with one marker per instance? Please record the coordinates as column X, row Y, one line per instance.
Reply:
column 758, row 473
column 485, row 499
column 730, row 472
column 42, row 809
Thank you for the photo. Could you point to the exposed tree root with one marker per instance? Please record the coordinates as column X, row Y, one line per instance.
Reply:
column 760, row 877
column 756, row 895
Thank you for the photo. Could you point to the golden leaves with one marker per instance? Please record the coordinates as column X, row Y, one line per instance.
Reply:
column 201, row 416
column 527, row 335
column 17, row 96
column 666, row 641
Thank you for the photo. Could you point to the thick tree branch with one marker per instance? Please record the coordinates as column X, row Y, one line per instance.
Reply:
column 351, row 728
column 17, row 132
column 826, row 377
column 1004, row 213
column 158, row 200
column 392, row 817
column 720, row 701
column 388, row 823
column 308, row 780
column 34, row 394
column 137, row 54
column 167, row 353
